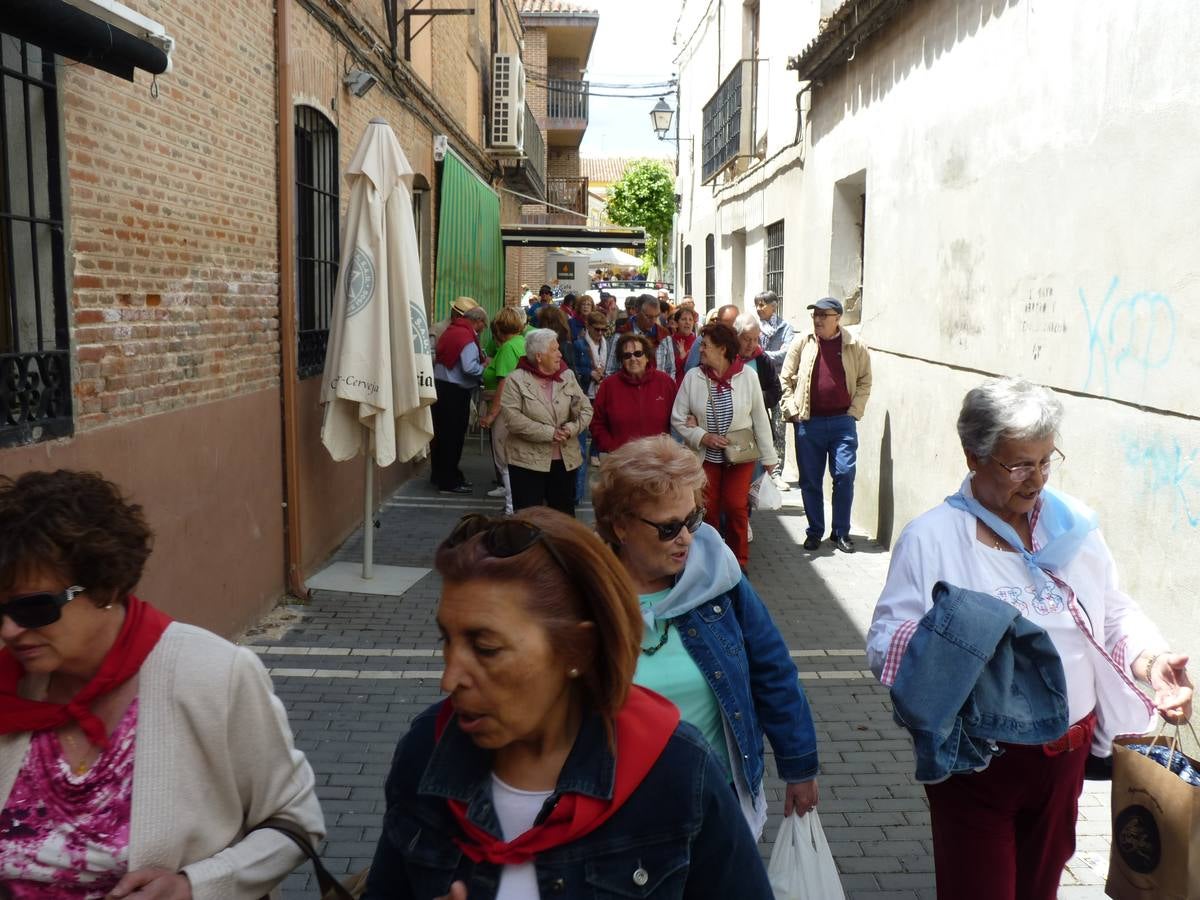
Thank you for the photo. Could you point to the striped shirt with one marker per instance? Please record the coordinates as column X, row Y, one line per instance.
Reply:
column 718, row 420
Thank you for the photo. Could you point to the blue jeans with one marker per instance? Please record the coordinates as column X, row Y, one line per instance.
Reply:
column 832, row 438
column 581, row 476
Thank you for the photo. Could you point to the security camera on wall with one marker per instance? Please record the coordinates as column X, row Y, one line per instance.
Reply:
column 441, row 144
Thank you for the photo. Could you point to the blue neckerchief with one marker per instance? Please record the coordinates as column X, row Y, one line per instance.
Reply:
column 711, row 570
column 1067, row 522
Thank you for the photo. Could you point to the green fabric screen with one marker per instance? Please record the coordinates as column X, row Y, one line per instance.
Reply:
column 470, row 257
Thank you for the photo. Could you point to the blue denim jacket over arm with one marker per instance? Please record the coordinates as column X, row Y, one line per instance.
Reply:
column 745, row 661
column 681, row 828
column 976, row 672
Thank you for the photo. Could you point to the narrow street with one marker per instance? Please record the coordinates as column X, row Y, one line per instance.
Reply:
column 354, row 669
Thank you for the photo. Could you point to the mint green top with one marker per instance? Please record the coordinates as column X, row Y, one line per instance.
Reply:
column 504, row 361
column 672, row 672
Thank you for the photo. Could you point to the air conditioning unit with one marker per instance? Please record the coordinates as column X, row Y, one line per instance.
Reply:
column 508, row 102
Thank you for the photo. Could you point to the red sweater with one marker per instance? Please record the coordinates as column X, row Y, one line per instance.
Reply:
column 625, row 410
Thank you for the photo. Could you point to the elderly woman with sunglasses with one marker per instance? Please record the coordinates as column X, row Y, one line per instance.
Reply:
column 1030, row 554
column 709, row 643
column 634, row 401
column 135, row 752
column 545, row 772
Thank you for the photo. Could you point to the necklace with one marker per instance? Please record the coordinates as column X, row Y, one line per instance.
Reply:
column 662, row 642
column 81, row 767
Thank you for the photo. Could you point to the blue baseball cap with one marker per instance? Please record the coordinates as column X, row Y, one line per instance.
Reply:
column 827, row 303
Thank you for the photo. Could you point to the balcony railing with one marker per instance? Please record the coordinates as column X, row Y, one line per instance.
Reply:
column 728, row 121
column 566, row 203
column 535, row 154
column 566, row 99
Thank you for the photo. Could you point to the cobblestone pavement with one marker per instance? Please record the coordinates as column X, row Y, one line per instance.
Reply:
column 355, row 669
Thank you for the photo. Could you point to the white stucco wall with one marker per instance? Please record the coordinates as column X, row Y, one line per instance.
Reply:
column 1031, row 179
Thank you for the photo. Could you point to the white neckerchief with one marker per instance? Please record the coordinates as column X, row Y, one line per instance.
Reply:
column 599, row 354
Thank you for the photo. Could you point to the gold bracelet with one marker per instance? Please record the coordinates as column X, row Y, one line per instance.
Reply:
column 1150, row 667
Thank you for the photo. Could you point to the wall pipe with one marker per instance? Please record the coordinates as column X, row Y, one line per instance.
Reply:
column 285, row 145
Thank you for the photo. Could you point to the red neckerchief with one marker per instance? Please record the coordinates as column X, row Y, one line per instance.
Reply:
column 722, row 382
column 531, row 368
column 643, row 727
column 139, row 634
column 454, row 339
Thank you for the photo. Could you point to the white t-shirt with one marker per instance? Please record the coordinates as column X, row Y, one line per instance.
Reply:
column 517, row 811
column 1009, row 579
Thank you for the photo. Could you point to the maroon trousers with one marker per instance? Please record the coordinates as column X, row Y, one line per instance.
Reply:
column 729, row 493
column 1007, row 832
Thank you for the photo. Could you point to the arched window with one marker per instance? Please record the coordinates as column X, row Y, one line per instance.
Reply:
column 710, row 272
column 687, row 270
column 317, row 240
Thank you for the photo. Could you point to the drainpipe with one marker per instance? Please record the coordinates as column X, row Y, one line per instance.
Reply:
column 285, row 142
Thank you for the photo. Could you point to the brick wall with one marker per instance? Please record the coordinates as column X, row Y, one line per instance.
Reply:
column 535, row 64
column 172, row 222
column 562, row 162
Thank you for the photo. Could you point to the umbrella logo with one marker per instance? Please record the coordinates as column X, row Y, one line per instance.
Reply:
column 420, row 330
column 360, row 282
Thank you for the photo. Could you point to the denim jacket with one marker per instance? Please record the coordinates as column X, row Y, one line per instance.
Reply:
column 747, row 664
column 680, row 831
column 976, row 672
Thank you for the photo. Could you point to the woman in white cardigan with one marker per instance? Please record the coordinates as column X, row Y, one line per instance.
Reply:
column 719, row 400
column 135, row 752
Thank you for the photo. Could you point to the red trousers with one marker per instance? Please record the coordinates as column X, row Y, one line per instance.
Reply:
column 729, row 495
column 1007, row 832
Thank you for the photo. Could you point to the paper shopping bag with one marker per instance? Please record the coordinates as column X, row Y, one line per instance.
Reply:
column 1155, row 851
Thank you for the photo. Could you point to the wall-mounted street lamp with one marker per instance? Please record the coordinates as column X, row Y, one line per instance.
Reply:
column 359, row 81
column 661, row 117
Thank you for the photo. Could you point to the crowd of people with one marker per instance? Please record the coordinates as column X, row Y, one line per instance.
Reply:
column 608, row 691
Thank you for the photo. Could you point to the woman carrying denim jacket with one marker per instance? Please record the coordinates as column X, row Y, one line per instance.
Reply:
column 1007, row 534
column 545, row 772
column 709, row 643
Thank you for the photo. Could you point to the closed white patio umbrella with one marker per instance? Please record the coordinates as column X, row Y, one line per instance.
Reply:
column 378, row 382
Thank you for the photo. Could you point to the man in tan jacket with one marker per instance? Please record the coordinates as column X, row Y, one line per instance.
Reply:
column 826, row 378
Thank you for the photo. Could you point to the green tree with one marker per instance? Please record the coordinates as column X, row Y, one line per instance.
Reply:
column 645, row 198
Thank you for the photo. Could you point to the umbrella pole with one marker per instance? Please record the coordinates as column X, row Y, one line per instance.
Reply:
column 368, row 517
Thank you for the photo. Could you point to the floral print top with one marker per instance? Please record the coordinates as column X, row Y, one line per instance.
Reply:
column 66, row 836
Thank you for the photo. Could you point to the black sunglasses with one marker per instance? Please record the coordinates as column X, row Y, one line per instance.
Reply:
column 38, row 610
column 503, row 538
column 633, row 354
column 668, row 531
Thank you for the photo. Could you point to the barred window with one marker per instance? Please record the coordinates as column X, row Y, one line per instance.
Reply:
column 687, row 271
column 317, row 244
column 774, row 268
column 35, row 363
column 710, row 272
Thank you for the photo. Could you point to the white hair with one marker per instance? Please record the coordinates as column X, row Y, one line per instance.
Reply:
column 1010, row 408
column 745, row 322
column 538, row 342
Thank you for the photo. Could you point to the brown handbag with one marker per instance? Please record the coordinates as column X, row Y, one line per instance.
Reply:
column 742, row 446
column 331, row 889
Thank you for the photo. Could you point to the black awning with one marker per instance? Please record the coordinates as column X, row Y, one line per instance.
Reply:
column 572, row 236
column 58, row 27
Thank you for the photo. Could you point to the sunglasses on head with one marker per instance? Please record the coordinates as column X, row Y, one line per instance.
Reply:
column 40, row 609
column 503, row 538
column 668, row 531
column 633, row 354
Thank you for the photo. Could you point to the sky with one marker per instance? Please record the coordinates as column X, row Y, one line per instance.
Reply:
column 633, row 45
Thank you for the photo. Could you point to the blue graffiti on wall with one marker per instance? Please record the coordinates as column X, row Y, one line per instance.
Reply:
column 1128, row 336
column 1166, row 466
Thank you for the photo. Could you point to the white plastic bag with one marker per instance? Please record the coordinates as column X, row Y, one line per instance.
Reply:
column 801, row 866
column 764, row 494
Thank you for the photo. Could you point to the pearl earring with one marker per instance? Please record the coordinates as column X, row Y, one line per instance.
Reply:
column 572, row 673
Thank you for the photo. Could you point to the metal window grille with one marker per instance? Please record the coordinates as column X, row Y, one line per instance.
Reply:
column 316, row 235
column 722, row 133
column 687, row 270
column 710, row 272
column 35, row 363
column 775, row 258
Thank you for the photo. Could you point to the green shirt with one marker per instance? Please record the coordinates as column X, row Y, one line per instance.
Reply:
column 672, row 672
column 504, row 361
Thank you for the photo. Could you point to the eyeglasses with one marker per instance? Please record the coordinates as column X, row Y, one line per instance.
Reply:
column 633, row 354
column 503, row 538
column 668, row 531
column 1024, row 471
column 40, row 609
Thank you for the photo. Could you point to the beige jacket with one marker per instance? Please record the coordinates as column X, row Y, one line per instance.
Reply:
column 796, row 375
column 749, row 411
column 213, row 757
column 531, row 421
